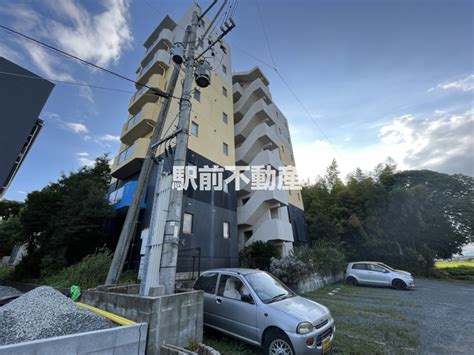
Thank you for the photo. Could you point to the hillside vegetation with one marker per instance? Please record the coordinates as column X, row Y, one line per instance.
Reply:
column 406, row 219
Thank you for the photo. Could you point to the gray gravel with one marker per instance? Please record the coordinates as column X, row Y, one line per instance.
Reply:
column 43, row 313
column 8, row 292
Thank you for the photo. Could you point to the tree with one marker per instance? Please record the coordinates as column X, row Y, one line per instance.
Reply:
column 65, row 220
column 405, row 219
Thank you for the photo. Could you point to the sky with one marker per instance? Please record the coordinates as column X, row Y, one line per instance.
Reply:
column 359, row 81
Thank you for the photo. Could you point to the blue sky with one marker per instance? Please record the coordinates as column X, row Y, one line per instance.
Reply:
column 380, row 78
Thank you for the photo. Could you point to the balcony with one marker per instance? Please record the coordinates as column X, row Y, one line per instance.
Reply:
column 259, row 202
column 145, row 95
column 262, row 137
column 259, row 112
column 129, row 160
column 157, row 65
column 272, row 230
column 237, row 91
column 164, row 41
column 123, row 196
column 254, row 91
column 138, row 125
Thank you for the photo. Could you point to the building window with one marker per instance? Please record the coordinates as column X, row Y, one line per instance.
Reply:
column 225, row 149
column 194, row 128
column 224, row 91
column 226, row 230
column 224, row 69
column 187, row 223
column 225, row 118
column 224, row 49
column 197, row 95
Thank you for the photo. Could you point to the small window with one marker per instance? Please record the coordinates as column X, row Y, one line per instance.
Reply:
column 224, row 49
column 225, row 149
column 225, row 118
column 207, row 283
column 233, row 288
column 187, row 223
column 224, row 69
column 224, row 91
column 197, row 95
column 226, row 230
column 194, row 128
column 359, row 266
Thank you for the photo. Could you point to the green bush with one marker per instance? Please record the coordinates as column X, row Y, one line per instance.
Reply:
column 89, row 272
column 322, row 258
column 258, row 255
column 5, row 271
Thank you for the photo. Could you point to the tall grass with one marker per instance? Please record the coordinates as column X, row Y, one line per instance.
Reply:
column 457, row 270
column 89, row 272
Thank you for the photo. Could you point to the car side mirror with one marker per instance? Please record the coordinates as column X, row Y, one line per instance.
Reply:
column 246, row 299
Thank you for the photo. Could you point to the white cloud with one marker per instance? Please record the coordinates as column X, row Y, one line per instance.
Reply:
column 466, row 84
column 100, row 38
column 84, row 160
column 22, row 192
column 108, row 138
column 440, row 143
column 97, row 37
column 75, row 127
column 86, row 93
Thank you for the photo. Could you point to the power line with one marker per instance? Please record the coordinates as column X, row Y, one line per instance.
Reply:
column 280, row 75
column 265, row 34
column 158, row 92
column 75, row 83
column 67, row 82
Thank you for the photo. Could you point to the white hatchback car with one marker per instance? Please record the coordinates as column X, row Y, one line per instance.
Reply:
column 377, row 274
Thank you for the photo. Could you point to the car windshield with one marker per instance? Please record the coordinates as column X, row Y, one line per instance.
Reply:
column 268, row 288
column 386, row 266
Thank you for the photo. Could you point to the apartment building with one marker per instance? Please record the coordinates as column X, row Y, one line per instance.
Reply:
column 214, row 225
column 262, row 137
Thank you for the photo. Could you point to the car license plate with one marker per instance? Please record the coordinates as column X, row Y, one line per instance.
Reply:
column 327, row 345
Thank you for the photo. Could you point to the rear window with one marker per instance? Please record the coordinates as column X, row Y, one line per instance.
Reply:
column 359, row 266
column 207, row 283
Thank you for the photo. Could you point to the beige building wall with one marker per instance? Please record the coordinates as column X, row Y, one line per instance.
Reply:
column 155, row 71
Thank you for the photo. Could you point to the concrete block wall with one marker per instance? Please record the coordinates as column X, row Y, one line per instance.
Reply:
column 314, row 282
column 114, row 341
column 172, row 319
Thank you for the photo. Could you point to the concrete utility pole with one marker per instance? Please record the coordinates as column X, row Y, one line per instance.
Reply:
column 129, row 226
column 169, row 255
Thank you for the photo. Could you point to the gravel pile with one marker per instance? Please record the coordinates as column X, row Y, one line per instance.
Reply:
column 43, row 313
column 8, row 292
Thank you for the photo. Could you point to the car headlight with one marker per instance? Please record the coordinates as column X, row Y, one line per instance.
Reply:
column 304, row 328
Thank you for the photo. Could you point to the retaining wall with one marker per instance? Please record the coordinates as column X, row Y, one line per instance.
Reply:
column 172, row 319
column 114, row 341
column 315, row 281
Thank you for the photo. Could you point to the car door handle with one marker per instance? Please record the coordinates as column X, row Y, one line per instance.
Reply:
column 218, row 301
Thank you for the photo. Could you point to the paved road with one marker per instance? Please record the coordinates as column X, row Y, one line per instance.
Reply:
column 445, row 315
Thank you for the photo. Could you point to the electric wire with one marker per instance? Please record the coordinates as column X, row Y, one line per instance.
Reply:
column 285, row 82
column 158, row 92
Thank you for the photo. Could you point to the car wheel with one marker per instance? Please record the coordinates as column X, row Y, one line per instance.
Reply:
column 351, row 281
column 277, row 343
column 399, row 284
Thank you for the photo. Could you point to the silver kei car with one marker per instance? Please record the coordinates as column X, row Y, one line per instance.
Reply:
column 377, row 274
column 257, row 308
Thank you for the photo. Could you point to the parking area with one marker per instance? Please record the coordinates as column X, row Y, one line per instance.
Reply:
column 435, row 318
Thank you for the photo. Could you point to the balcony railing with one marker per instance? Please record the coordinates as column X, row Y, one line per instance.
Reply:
column 134, row 120
column 125, row 154
column 122, row 197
